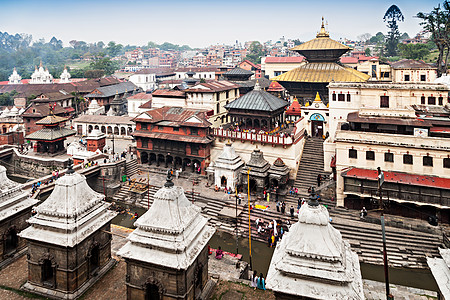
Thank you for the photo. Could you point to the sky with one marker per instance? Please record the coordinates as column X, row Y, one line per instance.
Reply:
column 200, row 23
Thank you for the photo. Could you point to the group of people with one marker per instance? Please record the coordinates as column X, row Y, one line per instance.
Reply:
column 273, row 229
column 257, row 282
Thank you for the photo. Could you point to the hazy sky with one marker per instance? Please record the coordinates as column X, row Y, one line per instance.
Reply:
column 201, row 23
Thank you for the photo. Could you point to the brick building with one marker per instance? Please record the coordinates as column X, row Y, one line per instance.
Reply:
column 37, row 111
column 175, row 137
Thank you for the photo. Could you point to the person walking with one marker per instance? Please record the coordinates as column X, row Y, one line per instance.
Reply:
column 292, row 211
column 260, row 283
column 278, row 206
column 253, row 280
column 283, row 207
column 299, row 203
column 319, row 179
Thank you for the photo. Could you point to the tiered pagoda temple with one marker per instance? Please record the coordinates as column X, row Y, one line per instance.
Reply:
column 15, row 209
column 257, row 109
column 50, row 139
column 323, row 67
column 167, row 254
column 69, row 240
column 312, row 261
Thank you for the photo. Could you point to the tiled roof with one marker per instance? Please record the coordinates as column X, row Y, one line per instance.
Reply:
column 275, row 87
column 111, row 90
column 102, row 119
column 349, row 60
column 157, row 71
column 175, row 116
column 294, row 109
column 322, row 72
column 257, row 100
column 403, row 178
column 198, row 70
column 320, row 43
column 40, row 110
column 238, row 71
column 147, row 104
column 50, row 134
column 291, row 59
column 410, row 64
column 141, row 96
column 174, row 137
column 52, row 119
column 213, row 86
column 168, row 93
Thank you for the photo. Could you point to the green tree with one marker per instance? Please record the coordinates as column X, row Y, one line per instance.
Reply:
column 392, row 16
column 94, row 73
column 297, row 42
column 368, row 52
column 106, row 64
column 377, row 39
column 413, row 51
column 438, row 23
column 113, row 49
column 255, row 52
column 7, row 99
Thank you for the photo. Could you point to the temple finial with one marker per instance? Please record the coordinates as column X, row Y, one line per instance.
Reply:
column 323, row 32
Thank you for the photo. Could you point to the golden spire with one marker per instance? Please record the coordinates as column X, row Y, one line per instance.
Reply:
column 317, row 98
column 322, row 32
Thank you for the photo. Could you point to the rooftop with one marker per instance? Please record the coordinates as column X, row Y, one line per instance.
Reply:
column 411, row 64
column 284, row 60
column 111, row 90
column 102, row 119
column 175, row 116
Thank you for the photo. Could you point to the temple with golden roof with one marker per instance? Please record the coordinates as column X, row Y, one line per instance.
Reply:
column 323, row 67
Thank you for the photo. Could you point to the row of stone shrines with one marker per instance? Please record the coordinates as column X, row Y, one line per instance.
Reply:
column 69, row 247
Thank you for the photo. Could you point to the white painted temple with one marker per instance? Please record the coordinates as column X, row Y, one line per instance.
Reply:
column 227, row 167
column 312, row 261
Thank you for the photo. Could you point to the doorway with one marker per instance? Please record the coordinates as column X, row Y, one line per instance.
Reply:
column 317, row 128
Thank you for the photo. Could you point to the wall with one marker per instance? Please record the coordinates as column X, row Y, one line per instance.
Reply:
column 271, row 68
column 414, row 75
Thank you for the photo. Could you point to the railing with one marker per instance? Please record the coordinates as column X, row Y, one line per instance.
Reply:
column 255, row 137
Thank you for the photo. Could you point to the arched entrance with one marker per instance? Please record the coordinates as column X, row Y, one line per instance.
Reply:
column 178, row 162
column 11, row 241
column 144, row 157
column 196, row 166
column 161, row 160
column 109, row 130
column 223, row 181
column 273, row 182
column 96, row 127
column 152, row 292
column 123, row 131
column 317, row 122
column 116, row 130
column 152, row 158
column 94, row 259
column 253, row 185
column 90, row 128
column 187, row 165
column 169, row 161
column 47, row 275
column 103, row 129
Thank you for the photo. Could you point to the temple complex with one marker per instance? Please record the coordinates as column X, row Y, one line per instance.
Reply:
column 167, row 254
column 312, row 261
column 50, row 139
column 322, row 54
column 69, row 240
column 317, row 114
column 41, row 76
column 15, row 209
column 257, row 110
column 227, row 168
column 256, row 171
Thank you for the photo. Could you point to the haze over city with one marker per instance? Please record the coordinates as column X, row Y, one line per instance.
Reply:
column 200, row 23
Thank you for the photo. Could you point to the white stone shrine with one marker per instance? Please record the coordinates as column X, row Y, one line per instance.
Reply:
column 312, row 261
column 41, row 76
column 15, row 78
column 65, row 76
column 440, row 268
column 167, row 254
column 95, row 109
column 227, row 168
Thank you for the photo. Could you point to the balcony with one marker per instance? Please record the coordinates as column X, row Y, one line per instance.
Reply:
column 260, row 138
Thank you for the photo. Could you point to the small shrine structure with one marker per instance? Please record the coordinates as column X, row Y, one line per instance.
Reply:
column 96, row 140
column 118, row 106
column 50, row 139
column 259, row 171
column 294, row 111
column 15, row 209
column 312, row 261
column 278, row 174
column 95, row 109
column 167, row 254
column 227, row 168
column 65, row 76
column 69, row 240
column 15, row 78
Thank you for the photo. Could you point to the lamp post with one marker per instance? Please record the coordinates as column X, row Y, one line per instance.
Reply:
column 249, row 224
column 380, row 178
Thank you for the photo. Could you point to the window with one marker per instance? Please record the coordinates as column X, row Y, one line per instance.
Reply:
column 341, row 97
column 384, row 101
column 144, row 143
column 427, row 161
column 194, row 149
column 441, row 100
column 406, row 77
column 334, row 97
column 422, row 100
column 143, row 126
column 348, row 97
column 47, row 272
column 423, row 77
column 194, row 131
column 407, row 159
column 370, row 155
column 218, row 108
column 352, row 153
column 431, row 100
column 227, row 94
column 176, row 129
column 160, row 127
column 386, row 74
column 447, row 163
column 389, row 157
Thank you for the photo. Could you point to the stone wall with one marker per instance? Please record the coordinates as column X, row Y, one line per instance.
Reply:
column 18, row 222
column 112, row 173
column 71, row 265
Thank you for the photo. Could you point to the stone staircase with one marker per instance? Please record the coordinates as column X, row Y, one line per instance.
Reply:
column 132, row 167
column 123, row 195
column 311, row 165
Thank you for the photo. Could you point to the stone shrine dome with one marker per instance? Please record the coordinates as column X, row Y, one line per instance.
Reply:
column 313, row 261
column 70, row 214
column 172, row 233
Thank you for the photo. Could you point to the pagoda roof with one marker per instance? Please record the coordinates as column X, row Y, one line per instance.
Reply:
column 172, row 233
column 71, row 213
column 50, row 120
column 257, row 100
column 294, row 109
column 275, row 87
column 50, row 134
column 322, row 72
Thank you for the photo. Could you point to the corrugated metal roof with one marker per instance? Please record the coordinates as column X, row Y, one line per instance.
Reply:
column 111, row 90
column 322, row 72
column 257, row 100
column 238, row 71
column 50, row 134
column 290, row 59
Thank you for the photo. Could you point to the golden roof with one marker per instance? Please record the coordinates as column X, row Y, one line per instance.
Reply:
column 322, row 72
column 317, row 98
column 52, row 119
column 321, row 42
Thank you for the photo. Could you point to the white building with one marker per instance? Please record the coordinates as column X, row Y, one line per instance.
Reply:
column 41, row 76
column 138, row 103
column 117, row 126
column 147, row 79
column 274, row 66
column 95, row 109
column 206, row 73
column 227, row 168
column 408, row 70
column 65, row 76
column 15, row 78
